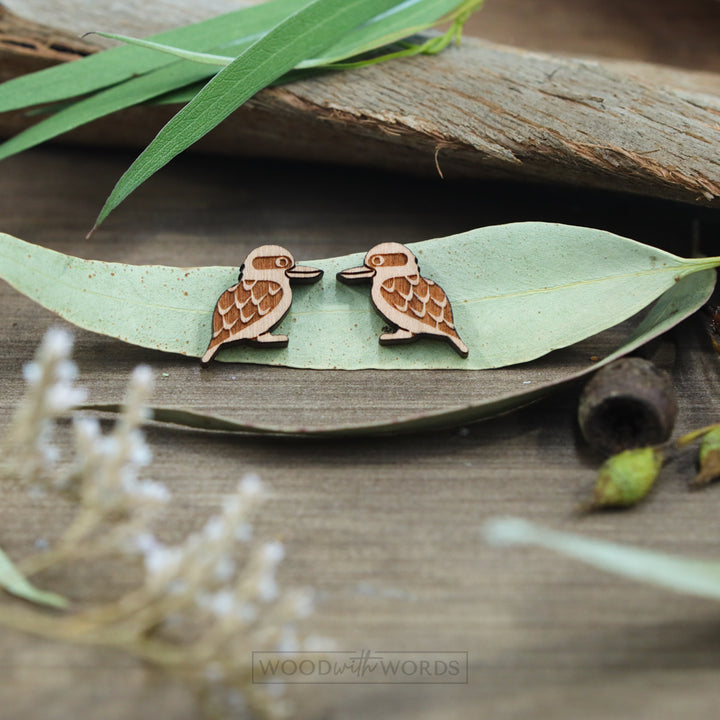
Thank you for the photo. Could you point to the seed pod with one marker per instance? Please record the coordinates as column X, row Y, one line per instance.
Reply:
column 627, row 404
column 626, row 478
column 709, row 459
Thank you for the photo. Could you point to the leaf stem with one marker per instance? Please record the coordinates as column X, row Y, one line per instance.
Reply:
column 695, row 435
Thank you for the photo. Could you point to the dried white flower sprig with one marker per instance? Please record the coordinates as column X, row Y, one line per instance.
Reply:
column 114, row 503
column 26, row 450
column 205, row 604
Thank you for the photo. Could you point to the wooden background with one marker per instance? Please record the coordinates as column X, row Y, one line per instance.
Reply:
column 387, row 530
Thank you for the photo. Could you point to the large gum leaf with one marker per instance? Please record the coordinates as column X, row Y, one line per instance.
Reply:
column 525, row 386
column 518, row 292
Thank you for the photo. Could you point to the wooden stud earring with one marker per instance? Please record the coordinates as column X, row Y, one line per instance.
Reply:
column 415, row 305
column 260, row 299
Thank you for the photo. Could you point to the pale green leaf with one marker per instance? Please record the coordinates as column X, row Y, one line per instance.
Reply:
column 684, row 575
column 303, row 34
column 518, row 292
column 677, row 303
column 12, row 580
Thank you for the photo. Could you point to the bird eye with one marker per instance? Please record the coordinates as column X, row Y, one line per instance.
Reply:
column 376, row 260
column 282, row 262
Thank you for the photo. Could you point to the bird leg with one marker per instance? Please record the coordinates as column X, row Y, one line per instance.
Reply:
column 399, row 336
column 268, row 339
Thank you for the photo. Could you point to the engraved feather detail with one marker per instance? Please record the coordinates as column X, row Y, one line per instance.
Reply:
column 240, row 306
column 423, row 299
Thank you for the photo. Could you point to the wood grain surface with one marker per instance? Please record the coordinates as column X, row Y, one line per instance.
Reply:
column 387, row 529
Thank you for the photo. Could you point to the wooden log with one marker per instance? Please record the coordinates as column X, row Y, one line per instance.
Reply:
column 482, row 110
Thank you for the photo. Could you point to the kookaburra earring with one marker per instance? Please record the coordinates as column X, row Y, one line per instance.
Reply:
column 415, row 305
column 259, row 300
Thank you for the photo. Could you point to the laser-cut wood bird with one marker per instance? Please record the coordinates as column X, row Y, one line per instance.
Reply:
column 260, row 299
column 414, row 304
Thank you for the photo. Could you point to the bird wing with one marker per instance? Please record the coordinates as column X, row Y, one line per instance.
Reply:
column 422, row 300
column 241, row 306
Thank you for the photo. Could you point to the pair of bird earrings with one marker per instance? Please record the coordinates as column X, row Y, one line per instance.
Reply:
column 249, row 310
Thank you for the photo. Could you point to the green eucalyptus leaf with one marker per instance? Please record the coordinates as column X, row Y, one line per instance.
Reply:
column 518, row 292
column 12, row 580
column 681, row 300
column 114, row 98
column 402, row 21
column 685, row 575
column 117, row 64
column 303, row 34
column 125, row 76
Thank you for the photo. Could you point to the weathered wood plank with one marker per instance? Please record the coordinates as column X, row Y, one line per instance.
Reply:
column 386, row 529
column 480, row 111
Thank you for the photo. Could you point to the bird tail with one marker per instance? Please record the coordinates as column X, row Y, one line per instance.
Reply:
column 460, row 347
column 210, row 352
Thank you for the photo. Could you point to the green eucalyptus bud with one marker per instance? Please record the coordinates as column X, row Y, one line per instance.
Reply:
column 709, row 459
column 626, row 478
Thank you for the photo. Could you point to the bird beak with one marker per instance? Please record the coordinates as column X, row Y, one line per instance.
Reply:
column 356, row 274
column 304, row 273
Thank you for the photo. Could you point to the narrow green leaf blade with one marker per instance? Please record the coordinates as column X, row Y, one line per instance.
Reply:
column 301, row 35
column 120, row 63
column 116, row 97
column 179, row 81
column 404, row 20
column 17, row 584
column 685, row 575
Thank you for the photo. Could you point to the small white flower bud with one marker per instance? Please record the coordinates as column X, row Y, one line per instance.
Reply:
column 288, row 641
column 214, row 528
column 304, row 603
column 153, row 491
column 142, row 377
column 251, row 485
column 163, row 561
column 223, row 603
column 273, row 552
column 57, row 344
column 32, row 372
column 66, row 370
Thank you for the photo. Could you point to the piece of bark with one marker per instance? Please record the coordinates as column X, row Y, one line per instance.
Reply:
column 480, row 111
